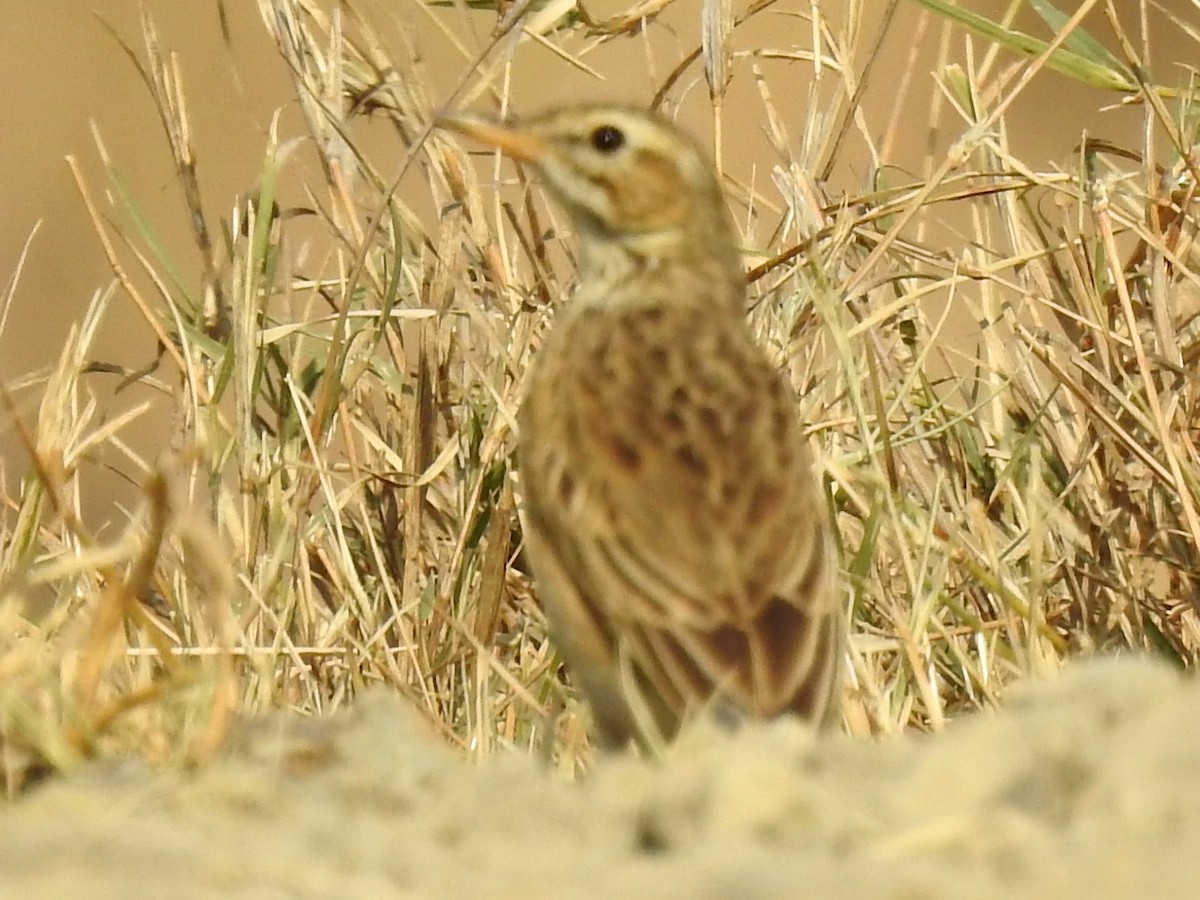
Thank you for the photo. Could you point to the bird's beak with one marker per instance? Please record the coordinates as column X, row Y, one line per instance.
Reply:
column 516, row 142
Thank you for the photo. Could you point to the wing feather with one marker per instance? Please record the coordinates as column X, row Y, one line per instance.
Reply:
column 691, row 539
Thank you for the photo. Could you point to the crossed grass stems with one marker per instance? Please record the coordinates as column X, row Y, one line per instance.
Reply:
column 1008, row 429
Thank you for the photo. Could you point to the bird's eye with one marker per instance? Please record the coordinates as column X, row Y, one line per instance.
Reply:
column 608, row 139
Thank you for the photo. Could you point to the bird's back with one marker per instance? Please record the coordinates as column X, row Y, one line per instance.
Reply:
column 667, row 481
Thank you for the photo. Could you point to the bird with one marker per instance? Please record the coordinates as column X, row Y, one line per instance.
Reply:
column 674, row 527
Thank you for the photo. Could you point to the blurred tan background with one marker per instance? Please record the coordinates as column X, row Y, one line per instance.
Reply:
column 63, row 71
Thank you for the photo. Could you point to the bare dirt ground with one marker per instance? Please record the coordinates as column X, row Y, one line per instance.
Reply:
column 1087, row 784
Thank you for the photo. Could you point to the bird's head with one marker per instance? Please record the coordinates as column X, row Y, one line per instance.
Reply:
column 626, row 176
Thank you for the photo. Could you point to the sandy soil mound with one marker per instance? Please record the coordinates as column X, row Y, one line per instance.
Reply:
column 1086, row 785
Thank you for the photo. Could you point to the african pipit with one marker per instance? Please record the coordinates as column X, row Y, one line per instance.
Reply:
column 672, row 520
